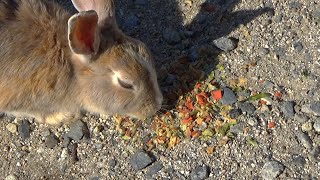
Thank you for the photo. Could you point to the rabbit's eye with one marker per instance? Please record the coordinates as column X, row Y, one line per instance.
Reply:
column 125, row 84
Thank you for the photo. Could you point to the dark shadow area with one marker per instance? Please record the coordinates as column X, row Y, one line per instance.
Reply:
column 183, row 50
column 190, row 57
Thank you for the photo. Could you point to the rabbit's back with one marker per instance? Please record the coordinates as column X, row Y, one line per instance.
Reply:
column 34, row 63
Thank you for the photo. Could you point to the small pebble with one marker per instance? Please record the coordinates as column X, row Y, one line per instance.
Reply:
column 315, row 108
column 252, row 121
column 77, row 131
column 228, row 97
column 280, row 52
column 12, row 128
column 247, row 108
column 295, row 4
column 298, row 161
column 287, row 109
column 200, row 172
column 237, row 128
column 315, row 154
column 278, row 18
column 298, row 46
column 171, row 36
column 11, row 177
column 263, row 51
column 234, row 113
column 64, row 153
column 131, row 21
column 316, row 125
column 305, row 140
column 24, row 129
column 112, row 163
column 154, row 169
column 301, row 118
column 225, row 44
column 66, row 141
column 268, row 85
column 306, row 127
column 271, row 170
column 51, row 141
column 140, row 160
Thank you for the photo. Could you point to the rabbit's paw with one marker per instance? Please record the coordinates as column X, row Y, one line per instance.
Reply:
column 58, row 119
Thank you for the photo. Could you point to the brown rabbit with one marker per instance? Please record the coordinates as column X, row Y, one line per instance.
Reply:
column 54, row 65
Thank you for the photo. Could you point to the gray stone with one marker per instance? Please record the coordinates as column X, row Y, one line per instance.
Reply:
column 294, row 4
column 287, row 109
column 280, row 52
column 234, row 113
column 247, row 108
column 112, row 163
column 194, row 53
column 315, row 154
column 140, row 160
column 306, row 109
column 131, row 21
column 228, row 97
column 316, row 125
column 268, row 85
column 237, row 128
column 66, row 141
column 154, row 169
column 305, row 140
column 171, row 36
column 77, row 131
column 51, row 141
column 225, row 44
column 24, row 129
column 301, row 118
column 298, row 46
column 298, row 161
column 315, row 108
column 201, row 172
column 271, row 170
column 278, row 18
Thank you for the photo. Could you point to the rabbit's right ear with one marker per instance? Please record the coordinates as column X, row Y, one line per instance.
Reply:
column 84, row 33
column 104, row 9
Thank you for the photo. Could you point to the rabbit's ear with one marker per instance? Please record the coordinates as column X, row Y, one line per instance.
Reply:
column 83, row 33
column 104, row 9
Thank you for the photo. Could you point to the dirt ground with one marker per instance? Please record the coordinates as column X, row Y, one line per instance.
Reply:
column 277, row 50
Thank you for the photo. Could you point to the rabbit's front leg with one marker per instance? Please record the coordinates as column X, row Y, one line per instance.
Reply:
column 60, row 118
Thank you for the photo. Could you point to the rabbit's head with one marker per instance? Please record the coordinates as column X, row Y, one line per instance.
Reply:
column 116, row 73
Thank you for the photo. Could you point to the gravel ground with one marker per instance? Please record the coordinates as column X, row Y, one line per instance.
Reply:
column 273, row 44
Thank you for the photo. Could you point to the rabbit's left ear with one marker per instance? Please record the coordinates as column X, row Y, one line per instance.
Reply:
column 83, row 33
column 104, row 9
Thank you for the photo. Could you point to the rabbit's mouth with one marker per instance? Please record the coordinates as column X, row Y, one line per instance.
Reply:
column 145, row 112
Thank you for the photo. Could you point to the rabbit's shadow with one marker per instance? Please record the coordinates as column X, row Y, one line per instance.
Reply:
column 152, row 20
column 149, row 21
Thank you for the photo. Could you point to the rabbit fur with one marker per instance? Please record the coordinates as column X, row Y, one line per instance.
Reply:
column 54, row 65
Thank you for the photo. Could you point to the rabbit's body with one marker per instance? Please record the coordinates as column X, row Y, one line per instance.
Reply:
column 42, row 77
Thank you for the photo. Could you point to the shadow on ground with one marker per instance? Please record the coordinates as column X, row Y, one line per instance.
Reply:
column 190, row 57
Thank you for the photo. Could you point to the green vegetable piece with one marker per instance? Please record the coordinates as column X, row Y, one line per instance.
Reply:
column 258, row 96
column 252, row 141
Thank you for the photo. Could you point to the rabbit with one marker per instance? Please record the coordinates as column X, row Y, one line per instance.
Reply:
column 54, row 65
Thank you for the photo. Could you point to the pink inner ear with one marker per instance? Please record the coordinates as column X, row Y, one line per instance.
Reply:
column 85, row 31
